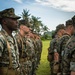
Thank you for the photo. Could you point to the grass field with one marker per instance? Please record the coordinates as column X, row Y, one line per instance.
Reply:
column 44, row 68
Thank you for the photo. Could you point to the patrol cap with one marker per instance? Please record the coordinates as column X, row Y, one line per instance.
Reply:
column 73, row 20
column 8, row 13
column 69, row 22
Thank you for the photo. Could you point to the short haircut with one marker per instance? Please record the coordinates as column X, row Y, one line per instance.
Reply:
column 60, row 26
column 69, row 22
column 73, row 20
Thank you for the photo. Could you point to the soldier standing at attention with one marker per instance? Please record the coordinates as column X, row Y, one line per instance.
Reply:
column 21, row 40
column 69, row 54
column 30, row 51
column 9, row 55
column 53, row 47
column 62, row 42
column 50, row 56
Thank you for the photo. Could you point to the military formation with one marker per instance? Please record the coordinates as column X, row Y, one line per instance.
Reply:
column 20, row 54
column 61, row 52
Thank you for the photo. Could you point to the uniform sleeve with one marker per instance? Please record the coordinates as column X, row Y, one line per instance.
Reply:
column 62, row 43
column 69, row 57
column 17, row 51
column 72, row 62
column 52, row 46
column 18, row 42
column 58, row 46
column 1, row 47
column 66, row 61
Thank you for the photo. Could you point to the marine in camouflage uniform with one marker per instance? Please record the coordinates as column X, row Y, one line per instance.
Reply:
column 69, row 54
column 30, row 52
column 34, row 54
column 50, row 56
column 38, row 49
column 21, row 40
column 62, row 42
column 69, row 57
column 39, row 43
column 32, row 46
column 35, row 48
column 53, row 47
column 9, row 55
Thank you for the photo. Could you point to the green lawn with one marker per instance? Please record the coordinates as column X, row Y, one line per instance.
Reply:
column 44, row 68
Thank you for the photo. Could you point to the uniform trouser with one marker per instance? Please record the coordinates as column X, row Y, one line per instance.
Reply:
column 24, row 66
column 33, row 68
column 52, row 70
column 51, row 66
column 9, row 71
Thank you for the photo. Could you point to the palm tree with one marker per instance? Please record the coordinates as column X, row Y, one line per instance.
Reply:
column 36, row 24
column 26, row 15
column 45, row 28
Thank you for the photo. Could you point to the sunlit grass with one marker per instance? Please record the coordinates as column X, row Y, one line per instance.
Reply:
column 44, row 68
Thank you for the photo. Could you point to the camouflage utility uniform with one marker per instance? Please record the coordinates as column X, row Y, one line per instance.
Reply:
column 22, row 53
column 9, row 55
column 61, row 45
column 51, row 49
column 30, row 54
column 69, row 56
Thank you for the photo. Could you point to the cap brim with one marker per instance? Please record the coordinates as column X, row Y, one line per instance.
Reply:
column 15, row 17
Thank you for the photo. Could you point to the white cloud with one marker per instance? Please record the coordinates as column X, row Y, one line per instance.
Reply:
column 65, row 5
column 19, row 1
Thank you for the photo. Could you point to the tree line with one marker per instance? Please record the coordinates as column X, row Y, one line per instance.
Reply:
column 35, row 23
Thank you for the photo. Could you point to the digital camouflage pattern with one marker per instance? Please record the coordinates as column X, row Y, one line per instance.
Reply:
column 21, row 45
column 62, row 42
column 38, row 51
column 4, row 54
column 21, row 41
column 30, row 49
column 8, row 13
column 61, row 45
column 51, row 50
column 30, row 53
column 69, row 56
column 9, row 55
column 52, row 47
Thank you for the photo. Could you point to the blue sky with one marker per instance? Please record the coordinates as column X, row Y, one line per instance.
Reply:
column 52, row 12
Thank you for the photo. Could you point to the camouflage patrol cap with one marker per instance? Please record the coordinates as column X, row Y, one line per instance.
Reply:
column 8, row 13
column 69, row 22
column 73, row 20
